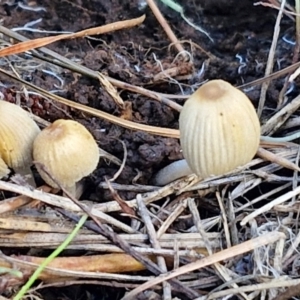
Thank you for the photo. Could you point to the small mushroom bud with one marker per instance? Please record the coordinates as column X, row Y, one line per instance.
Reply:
column 4, row 170
column 17, row 133
column 219, row 131
column 68, row 151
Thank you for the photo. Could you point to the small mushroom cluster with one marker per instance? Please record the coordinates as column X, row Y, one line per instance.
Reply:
column 66, row 148
column 219, row 131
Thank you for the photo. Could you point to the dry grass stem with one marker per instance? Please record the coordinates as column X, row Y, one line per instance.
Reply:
column 270, row 205
column 171, row 218
column 270, row 77
column 265, row 154
column 224, row 219
column 111, row 91
column 290, row 12
column 37, row 43
column 155, row 244
column 234, row 234
column 166, row 27
column 197, row 247
column 292, row 249
column 263, row 197
column 270, row 62
column 276, row 121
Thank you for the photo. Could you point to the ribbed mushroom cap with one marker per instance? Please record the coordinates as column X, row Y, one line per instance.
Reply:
column 17, row 133
column 68, row 150
column 219, row 129
column 4, row 170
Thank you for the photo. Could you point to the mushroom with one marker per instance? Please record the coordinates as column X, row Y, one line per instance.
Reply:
column 219, row 131
column 68, row 151
column 17, row 133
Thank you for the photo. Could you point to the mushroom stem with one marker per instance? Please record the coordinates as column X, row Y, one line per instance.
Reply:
column 26, row 172
column 80, row 188
column 172, row 172
column 76, row 190
column 71, row 190
column 4, row 170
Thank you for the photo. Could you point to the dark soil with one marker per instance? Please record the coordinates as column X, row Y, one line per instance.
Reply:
column 242, row 35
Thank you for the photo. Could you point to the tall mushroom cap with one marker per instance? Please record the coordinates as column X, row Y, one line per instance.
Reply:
column 68, row 150
column 219, row 129
column 17, row 133
column 4, row 170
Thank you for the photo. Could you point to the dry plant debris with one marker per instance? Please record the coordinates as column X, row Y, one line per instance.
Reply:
column 225, row 236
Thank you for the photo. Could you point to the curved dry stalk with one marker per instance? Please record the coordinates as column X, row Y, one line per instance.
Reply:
column 40, row 42
column 98, row 113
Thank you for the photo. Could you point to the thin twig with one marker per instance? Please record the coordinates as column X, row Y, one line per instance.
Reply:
column 270, row 62
column 224, row 219
column 154, row 242
column 267, row 207
column 164, row 24
column 171, row 218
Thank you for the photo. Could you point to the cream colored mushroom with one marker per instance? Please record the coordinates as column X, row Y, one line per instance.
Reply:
column 68, row 151
column 219, row 131
column 17, row 133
